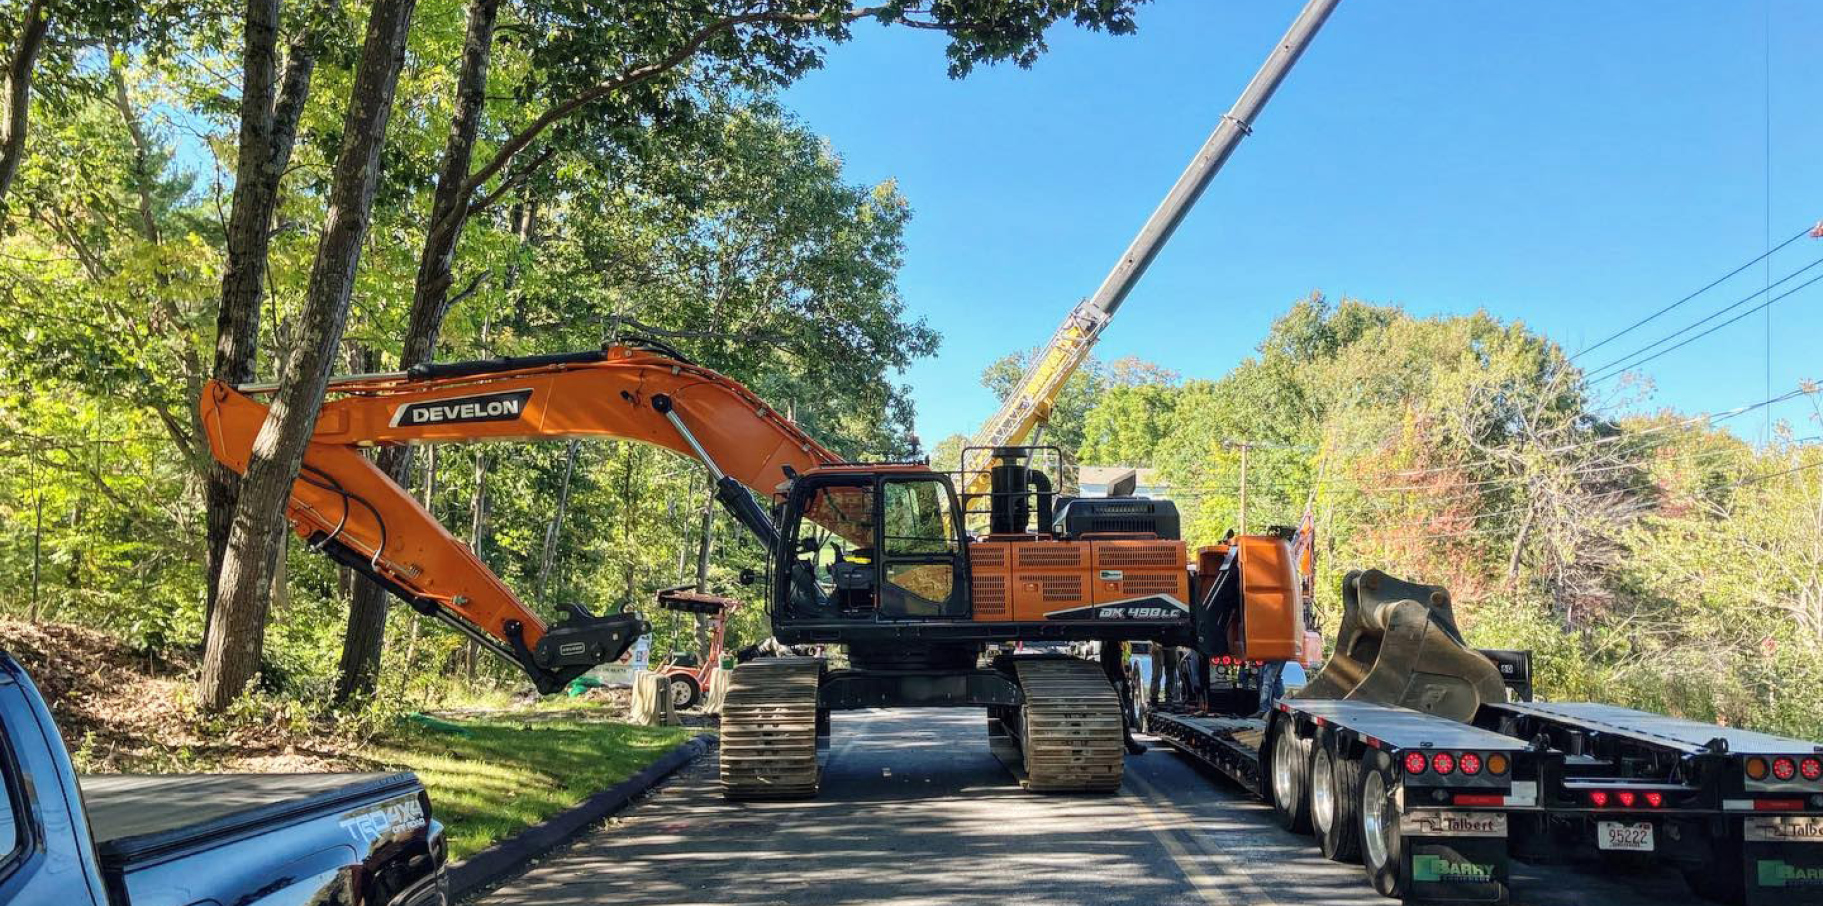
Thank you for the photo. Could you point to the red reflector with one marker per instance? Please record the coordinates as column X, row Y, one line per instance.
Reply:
column 1777, row 805
column 1414, row 762
column 1372, row 741
column 1470, row 763
column 1443, row 762
column 1784, row 768
column 1479, row 799
column 1598, row 798
column 1626, row 798
column 1655, row 799
column 1811, row 768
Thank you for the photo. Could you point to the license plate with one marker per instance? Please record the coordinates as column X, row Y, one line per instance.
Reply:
column 1624, row 836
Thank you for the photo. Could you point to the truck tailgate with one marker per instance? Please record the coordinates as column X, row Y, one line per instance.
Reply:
column 136, row 817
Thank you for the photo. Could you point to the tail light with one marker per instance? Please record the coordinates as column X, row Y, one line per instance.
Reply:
column 1756, row 768
column 1626, row 798
column 1443, row 763
column 1497, row 763
column 1655, row 799
column 1598, row 798
column 1414, row 762
column 1811, row 768
column 1470, row 763
column 1784, row 768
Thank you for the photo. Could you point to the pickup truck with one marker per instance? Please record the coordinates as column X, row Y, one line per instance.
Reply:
column 202, row 840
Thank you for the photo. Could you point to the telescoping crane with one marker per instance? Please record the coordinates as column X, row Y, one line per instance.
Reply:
column 875, row 557
column 1029, row 404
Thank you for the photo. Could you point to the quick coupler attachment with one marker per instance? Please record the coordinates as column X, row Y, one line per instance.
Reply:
column 584, row 640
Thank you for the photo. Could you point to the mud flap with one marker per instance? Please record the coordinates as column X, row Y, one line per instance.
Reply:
column 1456, row 869
column 1783, row 861
column 1399, row 645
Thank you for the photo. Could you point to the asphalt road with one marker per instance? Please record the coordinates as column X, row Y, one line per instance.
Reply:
column 916, row 810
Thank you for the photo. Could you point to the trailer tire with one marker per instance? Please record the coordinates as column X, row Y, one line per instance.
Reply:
column 1382, row 846
column 1334, row 800
column 1288, row 776
column 684, row 690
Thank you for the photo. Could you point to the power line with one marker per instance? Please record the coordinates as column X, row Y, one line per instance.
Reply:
column 1756, row 294
column 1760, row 307
column 1718, row 282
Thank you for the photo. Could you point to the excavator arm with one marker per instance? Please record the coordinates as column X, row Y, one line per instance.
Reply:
column 343, row 505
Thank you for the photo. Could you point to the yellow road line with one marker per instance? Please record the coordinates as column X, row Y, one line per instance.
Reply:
column 1234, row 874
column 1208, row 888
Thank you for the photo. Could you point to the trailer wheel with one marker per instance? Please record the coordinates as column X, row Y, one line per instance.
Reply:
column 685, row 692
column 1289, row 773
column 1334, row 801
column 1382, row 848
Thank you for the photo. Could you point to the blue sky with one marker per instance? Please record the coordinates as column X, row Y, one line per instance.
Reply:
column 1574, row 165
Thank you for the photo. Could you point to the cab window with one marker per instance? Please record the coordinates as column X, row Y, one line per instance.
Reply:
column 832, row 566
column 917, row 518
column 922, row 565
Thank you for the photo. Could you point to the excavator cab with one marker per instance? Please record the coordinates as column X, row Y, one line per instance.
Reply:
column 871, row 546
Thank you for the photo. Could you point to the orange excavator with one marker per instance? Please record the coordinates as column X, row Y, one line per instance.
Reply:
column 871, row 556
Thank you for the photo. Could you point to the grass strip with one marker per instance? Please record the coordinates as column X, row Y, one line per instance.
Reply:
column 492, row 777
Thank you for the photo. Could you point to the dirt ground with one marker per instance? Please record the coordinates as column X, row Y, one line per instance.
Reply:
column 122, row 711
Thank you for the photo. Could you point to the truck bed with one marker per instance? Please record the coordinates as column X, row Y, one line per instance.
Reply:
column 138, row 816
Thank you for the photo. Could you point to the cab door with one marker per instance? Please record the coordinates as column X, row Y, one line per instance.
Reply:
column 923, row 570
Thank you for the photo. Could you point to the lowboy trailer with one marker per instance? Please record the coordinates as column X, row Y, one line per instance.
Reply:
column 1435, row 794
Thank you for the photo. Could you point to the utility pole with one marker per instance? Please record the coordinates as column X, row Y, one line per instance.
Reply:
column 1244, row 446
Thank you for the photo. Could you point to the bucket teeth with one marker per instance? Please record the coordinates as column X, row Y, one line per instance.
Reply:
column 1070, row 730
column 769, row 730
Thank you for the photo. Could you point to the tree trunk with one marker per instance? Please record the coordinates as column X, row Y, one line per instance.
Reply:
column 237, row 630
column 477, row 535
column 554, row 530
column 430, row 494
column 367, row 606
column 704, row 543
column 32, row 30
column 449, row 204
column 269, row 117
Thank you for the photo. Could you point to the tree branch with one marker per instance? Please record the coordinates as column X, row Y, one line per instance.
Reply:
column 626, row 79
column 19, row 92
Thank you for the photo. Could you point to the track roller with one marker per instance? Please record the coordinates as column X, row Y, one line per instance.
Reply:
column 769, row 729
column 1070, row 727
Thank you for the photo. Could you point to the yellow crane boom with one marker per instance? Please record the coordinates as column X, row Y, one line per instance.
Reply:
column 1029, row 405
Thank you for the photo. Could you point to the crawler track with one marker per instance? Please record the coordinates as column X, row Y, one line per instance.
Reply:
column 1070, row 727
column 769, row 730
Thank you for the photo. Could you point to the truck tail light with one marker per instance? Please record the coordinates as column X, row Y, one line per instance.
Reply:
column 1784, row 768
column 1655, row 799
column 1497, row 763
column 1470, row 763
column 1443, row 763
column 1811, row 768
column 1598, row 798
column 1414, row 762
column 1756, row 768
column 1626, row 798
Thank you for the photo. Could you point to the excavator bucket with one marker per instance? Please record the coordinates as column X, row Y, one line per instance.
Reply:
column 1399, row 645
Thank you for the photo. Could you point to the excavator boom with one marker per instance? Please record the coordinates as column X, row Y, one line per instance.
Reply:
column 346, row 506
